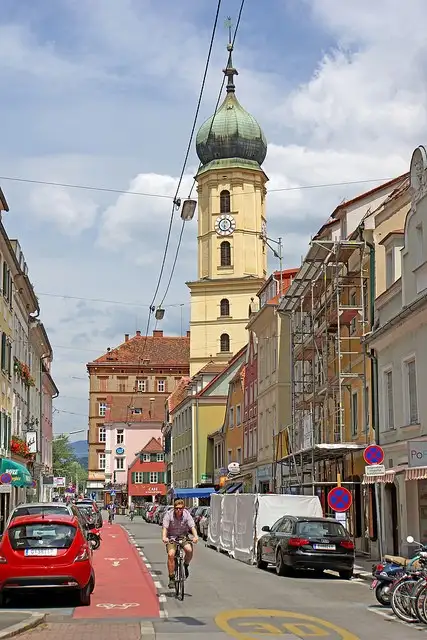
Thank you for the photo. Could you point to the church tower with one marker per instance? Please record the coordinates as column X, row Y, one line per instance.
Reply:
column 232, row 260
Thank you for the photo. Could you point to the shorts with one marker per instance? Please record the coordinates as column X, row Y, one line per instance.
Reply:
column 173, row 545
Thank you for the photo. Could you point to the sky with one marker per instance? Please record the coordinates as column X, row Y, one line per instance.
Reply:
column 103, row 93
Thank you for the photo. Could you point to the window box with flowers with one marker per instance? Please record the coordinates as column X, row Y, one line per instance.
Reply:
column 20, row 448
column 23, row 372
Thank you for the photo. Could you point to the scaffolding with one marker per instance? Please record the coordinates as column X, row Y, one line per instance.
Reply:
column 327, row 304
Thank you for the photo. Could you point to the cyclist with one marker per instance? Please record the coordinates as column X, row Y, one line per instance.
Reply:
column 178, row 523
column 112, row 510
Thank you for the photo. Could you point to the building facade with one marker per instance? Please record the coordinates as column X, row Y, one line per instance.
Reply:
column 398, row 344
column 147, row 474
column 232, row 259
column 250, row 410
column 273, row 393
column 128, row 389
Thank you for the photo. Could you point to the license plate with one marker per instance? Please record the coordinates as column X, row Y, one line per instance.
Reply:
column 324, row 547
column 41, row 552
column 374, row 584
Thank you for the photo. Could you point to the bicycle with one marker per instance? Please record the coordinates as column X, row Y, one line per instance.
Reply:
column 179, row 565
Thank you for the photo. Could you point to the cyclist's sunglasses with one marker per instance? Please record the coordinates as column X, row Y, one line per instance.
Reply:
column 179, row 508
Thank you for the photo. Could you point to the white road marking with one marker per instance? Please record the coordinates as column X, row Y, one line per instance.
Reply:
column 126, row 605
column 390, row 617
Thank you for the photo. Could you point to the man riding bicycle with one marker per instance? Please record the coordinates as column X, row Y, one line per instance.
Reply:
column 178, row 523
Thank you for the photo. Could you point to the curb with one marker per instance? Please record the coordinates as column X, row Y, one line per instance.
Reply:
column 33, row 621
column 161, row 596
column 362, row 575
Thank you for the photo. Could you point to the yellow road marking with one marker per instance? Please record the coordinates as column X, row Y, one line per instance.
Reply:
column 283, row 622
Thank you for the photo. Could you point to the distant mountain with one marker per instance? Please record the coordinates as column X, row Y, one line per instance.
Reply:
column 80, row 448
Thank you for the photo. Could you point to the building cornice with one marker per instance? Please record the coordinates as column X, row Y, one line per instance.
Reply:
column 220, row 284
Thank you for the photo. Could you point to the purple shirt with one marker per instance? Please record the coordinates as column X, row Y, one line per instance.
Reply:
column 177, row 527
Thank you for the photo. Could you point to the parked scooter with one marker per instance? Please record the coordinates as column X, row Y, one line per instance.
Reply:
column 387, row 572
column 94, row 538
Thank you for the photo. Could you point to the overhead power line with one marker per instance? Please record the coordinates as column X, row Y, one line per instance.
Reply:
column 164, row 196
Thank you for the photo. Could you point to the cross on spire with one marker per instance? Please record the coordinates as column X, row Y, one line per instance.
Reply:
column 230, row 71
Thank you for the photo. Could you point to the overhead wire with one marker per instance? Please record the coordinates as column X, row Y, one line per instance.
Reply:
column 175, row 260
column 181, row 176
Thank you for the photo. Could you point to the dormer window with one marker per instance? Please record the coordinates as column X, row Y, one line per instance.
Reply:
column 343, row 227
column 393, row 244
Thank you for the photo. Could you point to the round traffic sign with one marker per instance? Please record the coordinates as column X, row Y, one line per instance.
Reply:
column 374, row 454
column 5, row 478
column 340, row 499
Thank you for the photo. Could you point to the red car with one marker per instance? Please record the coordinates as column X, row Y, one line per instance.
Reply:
column 49, row 552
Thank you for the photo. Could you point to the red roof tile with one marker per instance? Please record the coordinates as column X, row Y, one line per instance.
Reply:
column 153, row 446
column 158, row 350
column 178, row 395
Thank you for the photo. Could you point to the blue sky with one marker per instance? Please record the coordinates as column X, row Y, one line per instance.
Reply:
column 103, row 93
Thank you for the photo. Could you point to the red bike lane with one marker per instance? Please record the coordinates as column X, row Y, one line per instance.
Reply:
column 124, row 587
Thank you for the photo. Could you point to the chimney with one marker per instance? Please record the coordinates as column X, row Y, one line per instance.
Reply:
column 138, row 333
column 158, row 333
column 188, row 334
column 126, row 337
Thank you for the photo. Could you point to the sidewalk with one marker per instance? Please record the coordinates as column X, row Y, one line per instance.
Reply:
column 14, row 622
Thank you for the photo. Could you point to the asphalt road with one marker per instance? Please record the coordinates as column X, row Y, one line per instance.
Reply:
column 248, row 603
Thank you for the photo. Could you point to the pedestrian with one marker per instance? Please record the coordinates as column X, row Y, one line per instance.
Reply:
column 131, row 510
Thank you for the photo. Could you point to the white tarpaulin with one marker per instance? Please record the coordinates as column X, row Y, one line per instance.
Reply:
column 273, row 507
column 228, row 523
column 215, row 520
column 244, row 527
column 236, row 520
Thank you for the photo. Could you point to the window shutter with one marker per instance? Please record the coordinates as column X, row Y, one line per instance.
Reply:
column 161, row 477
column 153, row 457
column 9, row 359
column 3, row 351
column 9, row 432
column 2, row 434
column 146, row 477
column 133, row 477
column 4, row 279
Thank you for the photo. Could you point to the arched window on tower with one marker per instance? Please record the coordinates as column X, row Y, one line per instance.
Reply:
column 224, row 202
column 225, row 342
column 225, row 254
column 224, row 307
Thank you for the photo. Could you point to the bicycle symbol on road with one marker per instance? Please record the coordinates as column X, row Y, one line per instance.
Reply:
column 126, row 605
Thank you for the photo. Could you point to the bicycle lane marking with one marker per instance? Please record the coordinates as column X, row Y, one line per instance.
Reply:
column 124, row 587
column 252, row 624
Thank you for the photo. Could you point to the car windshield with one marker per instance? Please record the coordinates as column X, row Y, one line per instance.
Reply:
column 321, row 529
column 34, row 511
column 42, row 535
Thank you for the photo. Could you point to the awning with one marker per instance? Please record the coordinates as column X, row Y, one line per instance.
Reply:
column 194, row 493
column 387, row 478
column 14, row 473
column 416, row 473
column 234, row 488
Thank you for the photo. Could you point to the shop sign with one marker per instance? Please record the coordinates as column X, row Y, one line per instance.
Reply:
column 417, row 453
column 205, row 478
column 264, row 472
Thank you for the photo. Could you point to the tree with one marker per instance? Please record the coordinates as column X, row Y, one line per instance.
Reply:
column 65, row 463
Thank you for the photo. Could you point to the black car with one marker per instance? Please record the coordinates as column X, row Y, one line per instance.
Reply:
column 86, row 503
column 306, row 543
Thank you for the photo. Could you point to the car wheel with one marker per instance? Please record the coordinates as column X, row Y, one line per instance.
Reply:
column 260, row 563
column 85, row 594
column 281, row 568
column 2, row 599
column 346, row 574
column 92, row 583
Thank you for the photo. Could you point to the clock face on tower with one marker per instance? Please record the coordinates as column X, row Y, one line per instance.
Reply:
column 225, row 225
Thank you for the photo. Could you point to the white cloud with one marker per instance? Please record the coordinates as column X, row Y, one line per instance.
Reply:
column 70, row 213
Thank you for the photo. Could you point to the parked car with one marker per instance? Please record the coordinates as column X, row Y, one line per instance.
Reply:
column 46, row 552
column 50, row 508
column 151, row 513
column 95, row 510
column 306, row 543
column 200, row 512
column 204, row 523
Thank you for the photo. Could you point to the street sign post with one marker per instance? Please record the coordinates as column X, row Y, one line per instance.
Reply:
column 375, row 470
column 374, row 454
column 340, row 499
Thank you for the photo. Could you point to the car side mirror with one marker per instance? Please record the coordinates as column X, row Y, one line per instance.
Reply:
column 266, row 528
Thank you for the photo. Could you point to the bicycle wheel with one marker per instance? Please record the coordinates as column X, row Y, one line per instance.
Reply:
column 421, row 603
column 179, row 578
column 402, row 601
column 417, row 598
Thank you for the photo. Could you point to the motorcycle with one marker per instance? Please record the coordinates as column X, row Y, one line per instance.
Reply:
column 94, row 538
column 386, row 573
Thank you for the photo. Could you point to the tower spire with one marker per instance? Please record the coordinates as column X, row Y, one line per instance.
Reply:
column 230, row 71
